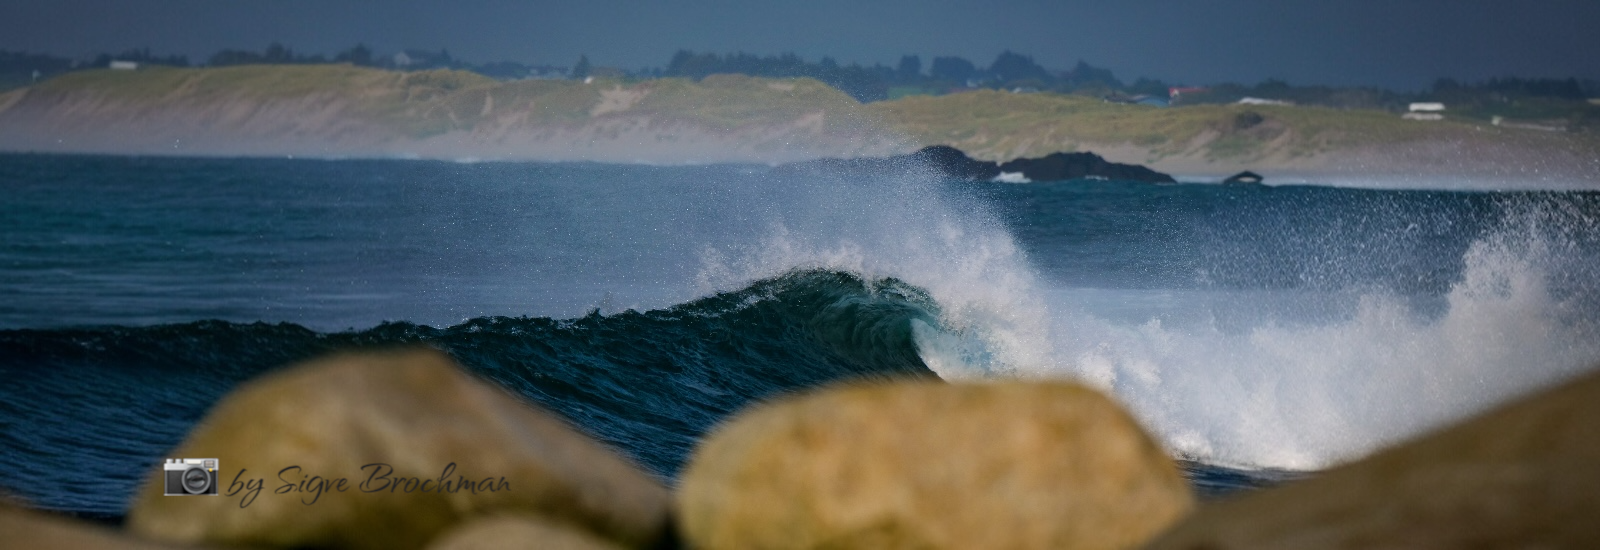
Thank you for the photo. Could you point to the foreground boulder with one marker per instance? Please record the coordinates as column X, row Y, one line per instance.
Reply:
column 419, row 444
column 22, row 528
column 1526, row 475
column 517, row 533
column 931, row 465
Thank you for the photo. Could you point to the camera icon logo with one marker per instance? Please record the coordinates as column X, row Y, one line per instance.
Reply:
column 190, row 476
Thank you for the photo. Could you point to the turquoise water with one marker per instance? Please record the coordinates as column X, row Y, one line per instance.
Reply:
column 1258, row 331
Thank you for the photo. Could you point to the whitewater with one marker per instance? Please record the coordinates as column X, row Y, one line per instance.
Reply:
column 1252, row 378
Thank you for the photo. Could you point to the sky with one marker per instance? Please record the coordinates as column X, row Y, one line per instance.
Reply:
column 1401, row 44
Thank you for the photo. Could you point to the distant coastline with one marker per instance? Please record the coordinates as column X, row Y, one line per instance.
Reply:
column 347, row 111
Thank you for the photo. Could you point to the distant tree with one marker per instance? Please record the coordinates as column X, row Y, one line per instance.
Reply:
column 910, row 68
column 1084, row 75
column 953, row 69
column 1148, row 86
column 276, row 53
column 691, row 65
column 504, row 70
column 1274, row 87
column 862, row 83
column 1011, row 66
column 233, row 57
column 359, row 55
column 582, row 68
column 1505, row 88
column 141, row 56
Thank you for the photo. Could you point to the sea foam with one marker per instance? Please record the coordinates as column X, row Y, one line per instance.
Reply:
column 1221, row 375
column 1306, row 395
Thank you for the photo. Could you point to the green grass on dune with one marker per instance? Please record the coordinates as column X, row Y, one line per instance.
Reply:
column 267, row 81
column 987, row 124
column 424, row 103
column 997, row 125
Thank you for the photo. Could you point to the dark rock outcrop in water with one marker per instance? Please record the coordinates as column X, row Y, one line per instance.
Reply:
column 1071, row 166
column 956, row 164
column 1246, row 177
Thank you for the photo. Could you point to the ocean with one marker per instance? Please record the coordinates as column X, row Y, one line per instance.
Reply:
column 1261, row 332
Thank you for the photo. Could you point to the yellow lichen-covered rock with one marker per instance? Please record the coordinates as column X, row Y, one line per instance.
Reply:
column 1526, row 475
column 931, row 465
column 517, row 533
column 386, row 450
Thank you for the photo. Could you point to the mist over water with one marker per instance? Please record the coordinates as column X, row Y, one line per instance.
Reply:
column 1360, row 368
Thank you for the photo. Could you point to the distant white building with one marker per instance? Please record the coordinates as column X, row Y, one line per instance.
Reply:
column 402, row 60
column 124, row 66
column 1425, row 111
column 1261, row 101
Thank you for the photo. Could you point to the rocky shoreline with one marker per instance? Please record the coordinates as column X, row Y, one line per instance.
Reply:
column 404, row 449
column 951, row 162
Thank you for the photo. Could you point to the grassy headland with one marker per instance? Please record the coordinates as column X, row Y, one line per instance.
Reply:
column 1216, row 139
column 342, row 110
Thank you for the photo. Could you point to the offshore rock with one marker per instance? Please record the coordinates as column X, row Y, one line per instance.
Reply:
column 1072, row 166
column 1521, row 476
column 952, row 163
column 418, row 444
column 931, row 465
column 1246, row 177
column 517, row 533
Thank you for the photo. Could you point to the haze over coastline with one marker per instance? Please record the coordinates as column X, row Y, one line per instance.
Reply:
column 335, row 111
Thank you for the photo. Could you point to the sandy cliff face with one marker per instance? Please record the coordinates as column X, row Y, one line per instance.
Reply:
column 98, row 123
column 336, row 111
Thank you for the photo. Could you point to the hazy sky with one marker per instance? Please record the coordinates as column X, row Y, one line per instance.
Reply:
column 1395, row 43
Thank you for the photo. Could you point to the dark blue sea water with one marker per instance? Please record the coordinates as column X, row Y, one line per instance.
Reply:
column 1260, row 332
